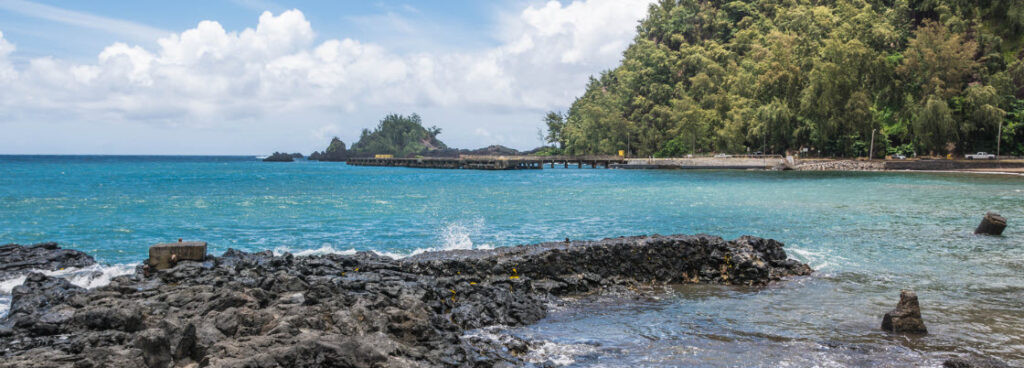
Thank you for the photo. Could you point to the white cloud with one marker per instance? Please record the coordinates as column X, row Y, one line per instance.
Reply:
column 208, row 76
column 6, row 48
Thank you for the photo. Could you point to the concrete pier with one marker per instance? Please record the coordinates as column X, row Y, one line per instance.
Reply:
column 489, row 162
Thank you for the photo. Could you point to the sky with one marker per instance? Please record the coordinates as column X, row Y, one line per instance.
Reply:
column 256, row 76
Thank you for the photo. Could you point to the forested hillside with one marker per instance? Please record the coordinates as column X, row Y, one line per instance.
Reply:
column 932, row 76
column 398, row 135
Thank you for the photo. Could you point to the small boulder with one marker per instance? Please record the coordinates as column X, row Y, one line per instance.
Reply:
column 992, row 224
column 906, row 318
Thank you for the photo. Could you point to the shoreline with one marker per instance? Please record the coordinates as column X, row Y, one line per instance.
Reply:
column 438, row 308
column 261, row 309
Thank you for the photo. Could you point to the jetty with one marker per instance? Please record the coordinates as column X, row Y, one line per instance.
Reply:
column 491, row 162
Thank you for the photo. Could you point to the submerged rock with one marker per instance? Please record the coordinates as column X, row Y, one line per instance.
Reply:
column 974, row 362
column 17, row 260
column 906, row 318
column 262, row 310
column 991, row 224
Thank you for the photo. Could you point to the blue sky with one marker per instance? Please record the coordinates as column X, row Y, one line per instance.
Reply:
column 114, row 77
column 452, row 24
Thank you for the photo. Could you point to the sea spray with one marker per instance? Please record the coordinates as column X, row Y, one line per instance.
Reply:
column 324, row 249
column 453, row 236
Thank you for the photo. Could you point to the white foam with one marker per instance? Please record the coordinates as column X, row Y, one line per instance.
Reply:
column 454, row 236
column 324, row 249
column 558, row 354
column 87, row 277
column 545, row 352
column 817, row 260
column 457, row 236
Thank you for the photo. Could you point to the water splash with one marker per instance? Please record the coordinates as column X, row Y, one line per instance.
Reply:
column 457, row 235
column 324, row 249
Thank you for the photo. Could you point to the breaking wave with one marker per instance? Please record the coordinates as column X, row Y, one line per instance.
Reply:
column 454, row 236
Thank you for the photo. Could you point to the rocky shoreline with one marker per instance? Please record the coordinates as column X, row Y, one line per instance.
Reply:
column 362, row 310
column 17, row 260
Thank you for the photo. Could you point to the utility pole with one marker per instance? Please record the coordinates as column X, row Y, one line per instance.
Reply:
column 693, row 146
column 999, row 138
column 871, row 152
column 764, row 148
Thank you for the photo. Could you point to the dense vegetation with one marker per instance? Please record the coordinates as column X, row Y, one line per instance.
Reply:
column 335, row 152
column 398, row 135
column 931, row 76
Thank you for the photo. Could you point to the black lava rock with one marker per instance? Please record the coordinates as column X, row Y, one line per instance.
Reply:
column 361, row 310
column 17, row 260
column 906, row 318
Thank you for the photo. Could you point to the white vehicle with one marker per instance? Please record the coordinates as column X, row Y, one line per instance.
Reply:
column 981, row 156
column 722, row 155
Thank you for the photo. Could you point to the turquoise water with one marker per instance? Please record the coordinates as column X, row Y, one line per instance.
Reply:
column 867, row 234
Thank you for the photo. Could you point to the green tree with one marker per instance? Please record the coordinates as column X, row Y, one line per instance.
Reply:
column 555, row 122
column 398, row 135
column 738, row 75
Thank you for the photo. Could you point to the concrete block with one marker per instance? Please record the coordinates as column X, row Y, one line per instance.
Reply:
column 163, row 256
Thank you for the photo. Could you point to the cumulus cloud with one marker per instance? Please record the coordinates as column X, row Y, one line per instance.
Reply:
column 6, row 70
column 208, row 75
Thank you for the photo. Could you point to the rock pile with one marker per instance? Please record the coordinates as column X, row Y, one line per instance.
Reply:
column 840, row 165
column 262, row 310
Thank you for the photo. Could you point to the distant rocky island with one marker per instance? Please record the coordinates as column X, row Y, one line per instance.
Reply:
column 401, row 136
column 282, row 157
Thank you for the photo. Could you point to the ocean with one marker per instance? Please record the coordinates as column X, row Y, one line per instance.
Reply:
column 867, row 235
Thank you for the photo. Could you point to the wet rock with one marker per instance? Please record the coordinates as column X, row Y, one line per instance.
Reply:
column 974, row 362
column 906, row 318
column 991, row 224
column 37, row 305
column 16, row 260
column 262, row 310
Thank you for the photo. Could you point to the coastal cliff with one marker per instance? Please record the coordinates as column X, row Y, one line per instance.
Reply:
column 262, row 310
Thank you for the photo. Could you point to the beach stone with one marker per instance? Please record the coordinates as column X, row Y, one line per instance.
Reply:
column 906, row 318
column 991, row 224
column 164, row 256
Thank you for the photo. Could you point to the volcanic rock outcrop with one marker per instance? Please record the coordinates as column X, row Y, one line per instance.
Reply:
column 362, row 310
column 906, row 318
column 17, row 260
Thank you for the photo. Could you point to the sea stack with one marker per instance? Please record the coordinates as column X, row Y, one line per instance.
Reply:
column 991, row 224
column 906, row 318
